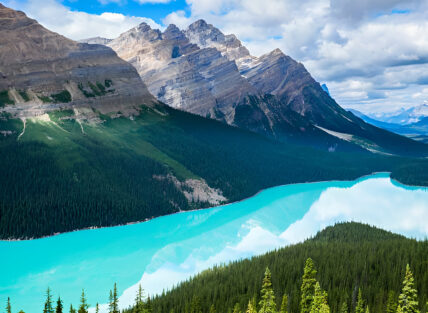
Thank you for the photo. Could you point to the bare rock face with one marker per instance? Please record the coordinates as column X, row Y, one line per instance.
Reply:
column 41, row 68
column 203, row 71
column 207, row 36
column 180, row 73
column 277, row 74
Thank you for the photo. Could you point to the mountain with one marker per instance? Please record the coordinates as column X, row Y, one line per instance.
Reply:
column 204, row 82
column 41, row 70
column 404, row 117
column 347, row 256
column 202, row 71
column 84, row 143
column 417, row 131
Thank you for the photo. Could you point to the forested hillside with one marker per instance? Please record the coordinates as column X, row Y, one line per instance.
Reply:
column 346, row 268
column 61, row 172
column 347, row 257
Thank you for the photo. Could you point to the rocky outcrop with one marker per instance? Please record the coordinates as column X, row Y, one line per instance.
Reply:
column 41, row 68
column 179, row 73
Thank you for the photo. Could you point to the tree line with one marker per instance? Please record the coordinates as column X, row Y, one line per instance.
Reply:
column 313, row 299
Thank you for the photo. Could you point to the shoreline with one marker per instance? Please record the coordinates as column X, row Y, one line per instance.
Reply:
column 194, row 210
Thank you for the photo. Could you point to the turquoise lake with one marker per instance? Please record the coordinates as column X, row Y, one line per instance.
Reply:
column 166, row 250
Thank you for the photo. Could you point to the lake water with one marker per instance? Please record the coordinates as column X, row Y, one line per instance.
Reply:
column 166, row 250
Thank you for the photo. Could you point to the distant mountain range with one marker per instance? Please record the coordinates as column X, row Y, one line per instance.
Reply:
column 403, row 116
column 203, row 71
column 412, row 123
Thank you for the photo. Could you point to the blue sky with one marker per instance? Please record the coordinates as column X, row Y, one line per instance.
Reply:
column 155, row 11
column 372, row 54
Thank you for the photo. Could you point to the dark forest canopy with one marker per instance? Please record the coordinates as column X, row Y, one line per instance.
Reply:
column 64, row 175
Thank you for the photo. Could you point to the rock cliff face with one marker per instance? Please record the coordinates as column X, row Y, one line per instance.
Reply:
column 197, row 70
column 276, row 74
column 39, row 68
column 203, row 71
column 179, row 73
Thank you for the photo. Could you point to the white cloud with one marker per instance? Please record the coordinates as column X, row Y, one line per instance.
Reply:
column 361, row 203
column 75, row 24
column 380, row 43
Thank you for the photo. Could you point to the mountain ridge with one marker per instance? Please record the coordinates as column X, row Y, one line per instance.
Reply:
column 203, row 71
column 42, row 70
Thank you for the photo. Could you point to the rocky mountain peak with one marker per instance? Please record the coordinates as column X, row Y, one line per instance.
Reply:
column 199, row 24
column 145, row 32
column 173, row 32
column 143, row 27
column 277, row 51
column 60, row 72
column 202, row 33
column 207, row 36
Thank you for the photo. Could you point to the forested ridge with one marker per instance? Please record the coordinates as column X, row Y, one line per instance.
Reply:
column 346, row 268
column 347, row 257
column 65, row 174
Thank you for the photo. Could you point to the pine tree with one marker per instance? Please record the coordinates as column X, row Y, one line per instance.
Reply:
column 267, row 303
column 367, row 309
column 308, row 286
column 97, row 308
column 48, row 303
column 344, row 307
column 72, row 310
column 110, row 302
column 391, row 304
column 284, row 304
column 195, row 305
column 83, row 307
column 360, row 302
column 8, row 306
column 408, row 299
column 325, row 308
column 115, row 303
column 251, row 308
column 149, row 308
column 139, row 300
column 59, row 306
column 237, row 308
column 319, row 303
column 212, row 309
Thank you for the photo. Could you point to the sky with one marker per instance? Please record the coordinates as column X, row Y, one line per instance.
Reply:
column 372, row 54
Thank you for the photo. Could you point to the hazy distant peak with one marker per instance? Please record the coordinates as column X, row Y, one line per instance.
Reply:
column 96, row 40
column 199, row 24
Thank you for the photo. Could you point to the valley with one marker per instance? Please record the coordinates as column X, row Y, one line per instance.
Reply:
column 165, row 251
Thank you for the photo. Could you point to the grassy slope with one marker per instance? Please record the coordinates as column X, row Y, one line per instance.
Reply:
column 347, row 256
column 56, row 178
